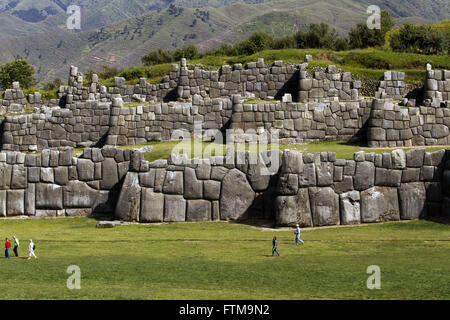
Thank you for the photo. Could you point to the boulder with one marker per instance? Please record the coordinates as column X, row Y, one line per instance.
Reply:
column 350, row 208
column 364, row 176
column 78, row 194
column 198, row 210
column 292, row 162
column 325, row 173
column 415, row 157
column 379, row 204
column 193, row 188
column 128, row 205
column 292, row 210
column 412, row 198
column 287, row 184
column 110, row 174
column 258, row 174
column 152, row 206
column 324, row 204
column 19, row 177
column 211, row 190
column 236, row 197
column 15, row 205
column 85, row 169
column 174, row 208
column 398, row 159
column 173, row 182
column 49, row 196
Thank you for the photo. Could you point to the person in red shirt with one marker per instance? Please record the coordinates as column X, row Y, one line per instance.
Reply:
column 7, row 247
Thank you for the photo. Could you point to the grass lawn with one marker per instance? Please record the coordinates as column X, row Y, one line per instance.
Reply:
column 220, row 260
column 344, row 150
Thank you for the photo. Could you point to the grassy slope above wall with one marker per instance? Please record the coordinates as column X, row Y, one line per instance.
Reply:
column 367, row 63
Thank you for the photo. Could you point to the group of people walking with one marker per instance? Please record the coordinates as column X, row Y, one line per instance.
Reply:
column 31, row 248
column 275, row 241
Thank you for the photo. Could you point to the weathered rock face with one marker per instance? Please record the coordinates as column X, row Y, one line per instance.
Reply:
column 49, row 196
column 174, row 208
column 324, row 206
column 152, row 206
column 292, row 210
column 78, row 194
column 110, row 174
column 258, row 177
column 193, row 188
column 198, row 210
column 173, row 183
column 364, row 176
column 350, row 208
column 15, row 204
column 236, row 197
column 379, row 204
column 412, row 201
column 128, row 205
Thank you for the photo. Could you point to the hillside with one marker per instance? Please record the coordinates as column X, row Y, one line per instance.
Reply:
column 119, row 32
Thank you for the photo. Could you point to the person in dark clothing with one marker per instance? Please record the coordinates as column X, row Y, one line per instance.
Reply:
column 274, row 246
column 16, row 246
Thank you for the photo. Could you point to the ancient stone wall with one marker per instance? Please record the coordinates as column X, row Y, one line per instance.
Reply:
column 391, row 125
column 54, row 183
column 393, row 85
column 81, row 123
column 437, row 86
column 158, row 121
column 331, row 84
column 308, row 189
column 304, row 122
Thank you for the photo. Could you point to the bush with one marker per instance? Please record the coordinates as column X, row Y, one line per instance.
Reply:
column 422, row 39
column 135, row 73
column 363, row 37
column 157, row 57
column 17, row 70
column 189, row 52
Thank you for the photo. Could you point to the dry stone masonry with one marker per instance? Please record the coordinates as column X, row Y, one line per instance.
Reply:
column 40, row 176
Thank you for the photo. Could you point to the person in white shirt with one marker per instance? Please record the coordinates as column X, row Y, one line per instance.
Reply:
column 16, row 246
column 31, row 250
column 297, row 236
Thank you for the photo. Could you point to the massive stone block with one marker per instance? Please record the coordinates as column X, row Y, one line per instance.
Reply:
column 350, row 208
column 5, row 175
column 412, row 198
column 211, row 189
column 19, row 177
column 30, row 200
column 258, row 174
column 3, row 203
column 110, row 174
column 49, row 196
column 128, row 205
column 174, row 208
column 152, row 206
column 325, row 173
column 15, row 203
column 364, row 176
column 198, row 210
column 193, row 188
column 173, row 182
column 379, row 204
column 292, row 210
column 324, row 206
column 85, row 169
column 236, row 197
column 78, row 194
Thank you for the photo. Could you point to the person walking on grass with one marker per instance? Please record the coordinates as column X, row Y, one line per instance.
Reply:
column 16, row 246
column 297, row 236
column 7, row 246
column 274, row 246
column 31, row 248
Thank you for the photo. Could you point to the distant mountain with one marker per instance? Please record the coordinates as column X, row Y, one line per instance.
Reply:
column 120, row 32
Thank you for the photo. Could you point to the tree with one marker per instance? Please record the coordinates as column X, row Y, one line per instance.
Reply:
column 257, row 42
column 157, row 57
column 17, row 70
column 363, row 37
column 55, row 84
column 423, row 39
column 189, row 52
column 321, row 36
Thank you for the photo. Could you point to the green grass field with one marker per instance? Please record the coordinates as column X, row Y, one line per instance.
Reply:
column 220, row 260
column 344, row 150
